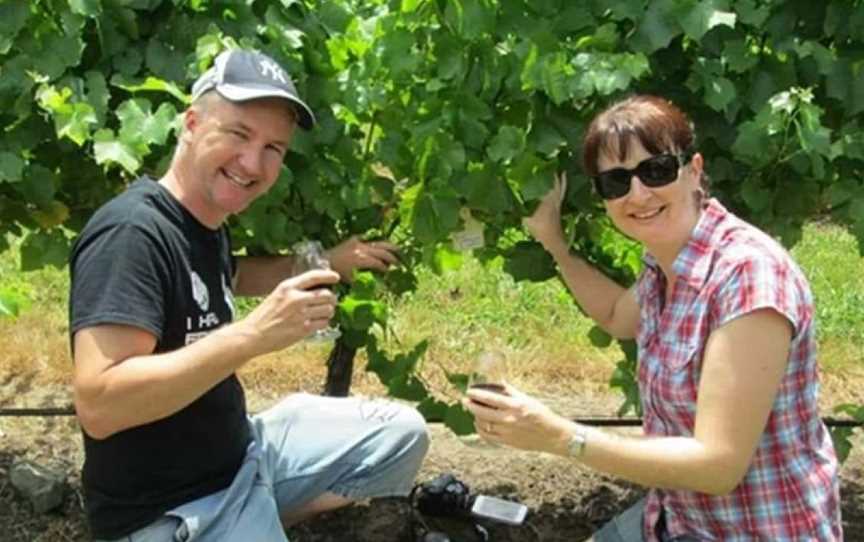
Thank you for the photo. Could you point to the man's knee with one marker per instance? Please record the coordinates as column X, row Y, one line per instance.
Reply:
column 410, row 430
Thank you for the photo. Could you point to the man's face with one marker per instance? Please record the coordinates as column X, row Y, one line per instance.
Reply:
column 235, row 154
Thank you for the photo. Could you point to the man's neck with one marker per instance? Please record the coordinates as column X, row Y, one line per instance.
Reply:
column 174, row 182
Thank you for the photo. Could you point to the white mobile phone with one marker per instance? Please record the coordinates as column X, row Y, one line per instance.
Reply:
column 512, row 513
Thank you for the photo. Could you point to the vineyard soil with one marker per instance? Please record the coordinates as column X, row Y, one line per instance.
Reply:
column 566, row 502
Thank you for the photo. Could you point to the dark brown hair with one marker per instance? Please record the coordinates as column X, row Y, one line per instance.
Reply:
column 653, row 121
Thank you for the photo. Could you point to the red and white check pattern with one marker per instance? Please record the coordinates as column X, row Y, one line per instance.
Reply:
column 730, row 268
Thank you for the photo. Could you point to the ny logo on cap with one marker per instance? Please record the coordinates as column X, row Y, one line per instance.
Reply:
column 273, row 71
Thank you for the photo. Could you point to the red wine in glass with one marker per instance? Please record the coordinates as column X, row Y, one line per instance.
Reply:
column 309, row 255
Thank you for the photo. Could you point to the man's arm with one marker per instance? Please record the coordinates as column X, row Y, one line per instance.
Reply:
column 258, row 275
column 119, row 383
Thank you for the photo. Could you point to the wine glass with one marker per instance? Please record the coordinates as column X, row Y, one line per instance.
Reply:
column 487, row 374
column 309, row 255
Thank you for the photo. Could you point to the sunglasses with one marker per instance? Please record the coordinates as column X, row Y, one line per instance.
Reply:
column 653, row 172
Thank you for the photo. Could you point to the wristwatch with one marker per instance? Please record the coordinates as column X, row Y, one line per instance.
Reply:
column 576, row 445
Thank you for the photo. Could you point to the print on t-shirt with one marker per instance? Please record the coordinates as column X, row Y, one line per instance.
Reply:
column 199, row 325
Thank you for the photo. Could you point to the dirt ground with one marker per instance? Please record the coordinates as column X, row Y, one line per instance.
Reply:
column 566, row 502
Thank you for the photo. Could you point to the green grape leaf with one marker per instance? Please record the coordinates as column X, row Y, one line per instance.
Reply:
column 354, row 338
column 434, row 216
column 754, row 144
column 407, row 387
column 532, row 175
column 626, row 9
column 555, row 74
column 459, row 420
column 364, row 286
column 442, row 258
column 758, row 198
column 88, row 8
column 506, row 144
column 719, row 93
column 657, row 29
column 9, row 305
column 843, row 191
column 528, row 260
column 38, row 185
column 334, row 16
column 546, row 138
column 738, row 56
column 150, row 84
column 704, row 16
column 599, row 337
column 750, row 14
column 408, row 6
column 109, row 150
column 432, row 410
column 71, row 119
column 164, row 60
column 11, row 167
column 485, row 191
column 13, row 17
column 58, row 52
column 842, row 438
column 361, row 314
column 140, row 125
column 398, row 53
column 451, row 58
column 469, row 18
column 459, row 381
column 98, row 95
column 400, row 281
column 41, row 249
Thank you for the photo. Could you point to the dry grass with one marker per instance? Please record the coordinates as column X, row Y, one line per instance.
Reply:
column 35, row 345
column 537, row 327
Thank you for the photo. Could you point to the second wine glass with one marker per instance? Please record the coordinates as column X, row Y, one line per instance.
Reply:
column 309, row 255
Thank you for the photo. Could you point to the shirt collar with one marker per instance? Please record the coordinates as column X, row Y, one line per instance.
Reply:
column 693, row 263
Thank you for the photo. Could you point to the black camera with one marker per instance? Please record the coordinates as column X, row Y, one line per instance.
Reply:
column 447, row 498
column 443, row 496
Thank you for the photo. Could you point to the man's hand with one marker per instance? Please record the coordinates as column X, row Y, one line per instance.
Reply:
column 356, row 254
column 294, row 309
column 545, row 224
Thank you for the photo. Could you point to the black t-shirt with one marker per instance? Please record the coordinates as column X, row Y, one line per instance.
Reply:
column 143, row 260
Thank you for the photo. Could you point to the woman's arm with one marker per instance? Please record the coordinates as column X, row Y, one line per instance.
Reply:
column 743, row 365
column 613, row 307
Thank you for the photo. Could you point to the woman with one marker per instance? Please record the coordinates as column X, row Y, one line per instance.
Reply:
column 733, row 445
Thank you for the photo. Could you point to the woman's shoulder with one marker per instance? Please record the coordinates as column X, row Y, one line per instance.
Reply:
column 739, row 241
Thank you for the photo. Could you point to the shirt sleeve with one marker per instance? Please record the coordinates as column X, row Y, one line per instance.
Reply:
column 119, row 276
column 756, row 283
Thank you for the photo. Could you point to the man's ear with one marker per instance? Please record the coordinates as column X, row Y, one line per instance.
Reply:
column 191, row 121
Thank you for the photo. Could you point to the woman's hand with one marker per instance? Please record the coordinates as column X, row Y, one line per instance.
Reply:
column 518, row 420
column 545, row 224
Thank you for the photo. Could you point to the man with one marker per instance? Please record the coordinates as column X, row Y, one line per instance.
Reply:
column 170, row 451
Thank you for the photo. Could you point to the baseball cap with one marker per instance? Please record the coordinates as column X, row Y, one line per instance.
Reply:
column 240, row 75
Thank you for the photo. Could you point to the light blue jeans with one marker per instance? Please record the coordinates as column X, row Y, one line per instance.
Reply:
column 303, row 447
column 627, row 527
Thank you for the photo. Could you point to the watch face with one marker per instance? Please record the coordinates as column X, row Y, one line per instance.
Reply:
column 576, row 447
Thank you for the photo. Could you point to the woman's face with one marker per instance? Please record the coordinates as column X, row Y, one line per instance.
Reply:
column 661, row 218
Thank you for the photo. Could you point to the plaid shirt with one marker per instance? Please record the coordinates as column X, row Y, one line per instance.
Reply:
column 790, row 492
